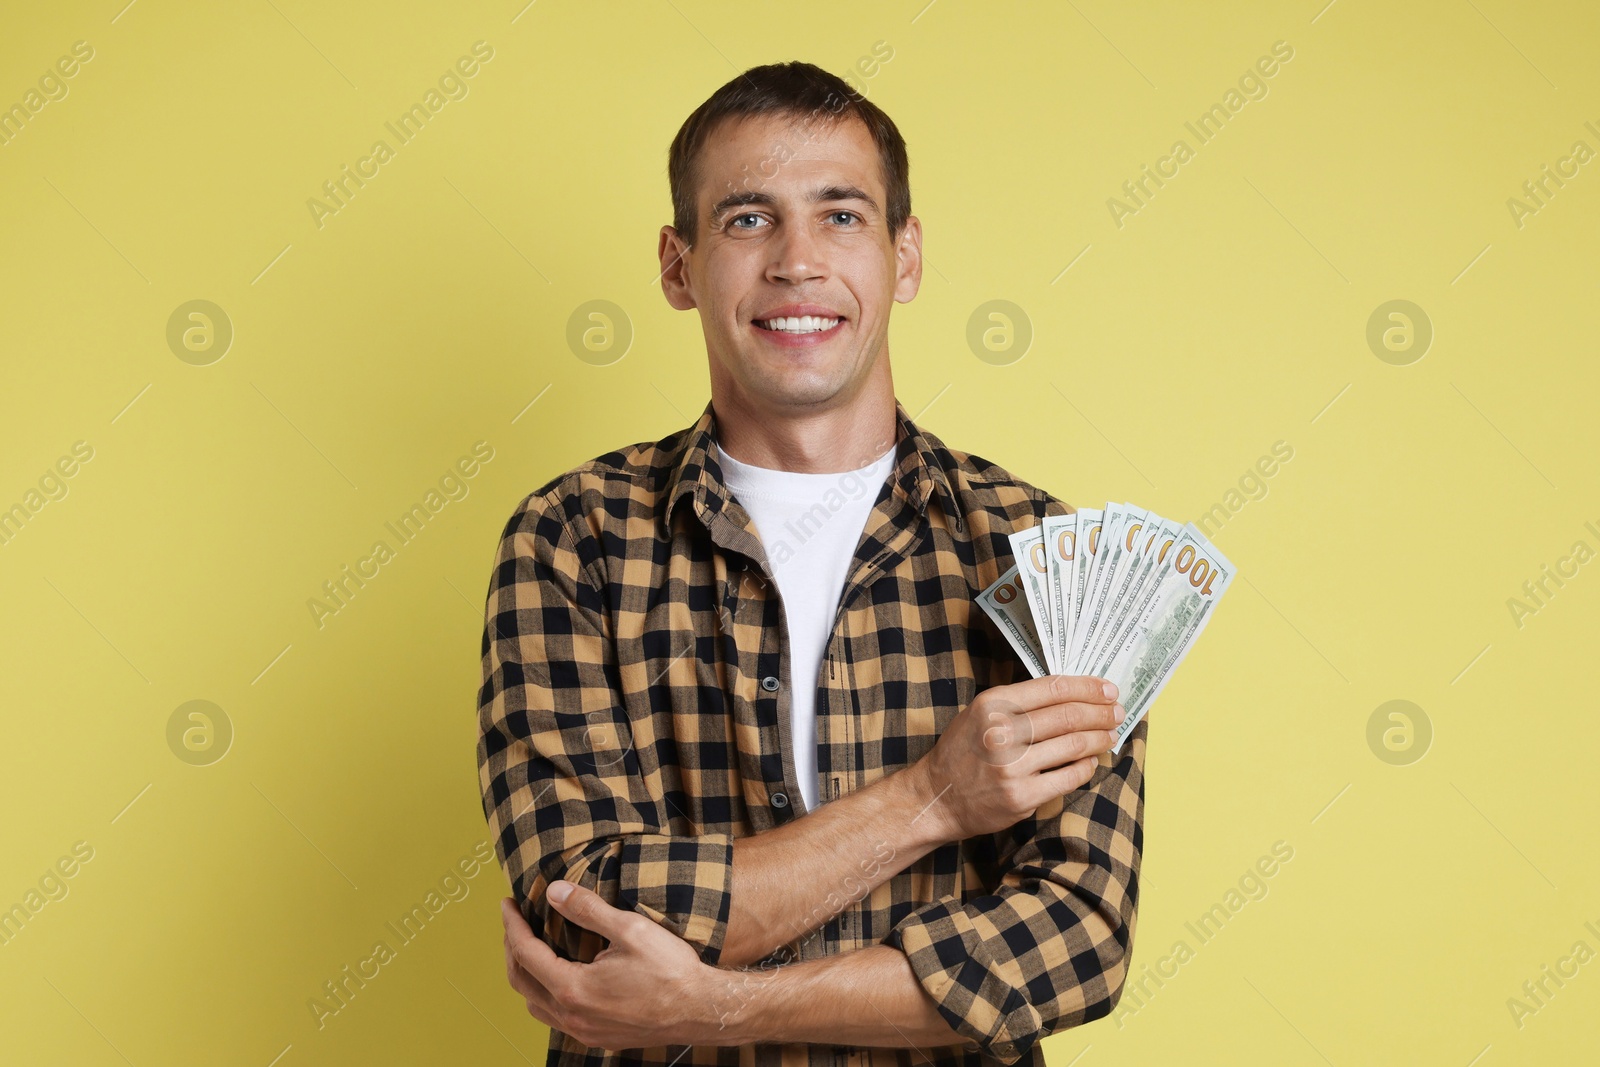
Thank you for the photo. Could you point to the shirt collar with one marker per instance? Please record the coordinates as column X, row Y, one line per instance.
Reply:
column 918, row 474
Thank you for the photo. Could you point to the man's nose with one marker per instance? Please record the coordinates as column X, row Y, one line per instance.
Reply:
column 797, row 256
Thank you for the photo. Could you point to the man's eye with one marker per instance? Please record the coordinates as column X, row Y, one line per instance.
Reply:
column 734, row 222
column 847, row 214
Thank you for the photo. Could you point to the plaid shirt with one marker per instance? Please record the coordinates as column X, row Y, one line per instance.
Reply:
column 634, row 724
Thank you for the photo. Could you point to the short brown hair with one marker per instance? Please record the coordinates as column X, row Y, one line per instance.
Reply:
column 799, row 89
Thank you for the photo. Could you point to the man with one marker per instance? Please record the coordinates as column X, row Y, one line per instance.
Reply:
column 738, row 699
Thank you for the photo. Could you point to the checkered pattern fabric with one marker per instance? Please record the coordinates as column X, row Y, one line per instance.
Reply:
column 634, row 725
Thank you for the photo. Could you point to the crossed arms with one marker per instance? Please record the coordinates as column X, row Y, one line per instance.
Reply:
column 566, row 799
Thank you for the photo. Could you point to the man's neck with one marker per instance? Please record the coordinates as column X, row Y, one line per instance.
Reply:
column 843, row 438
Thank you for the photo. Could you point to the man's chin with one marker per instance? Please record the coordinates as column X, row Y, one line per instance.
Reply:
column 793, row 392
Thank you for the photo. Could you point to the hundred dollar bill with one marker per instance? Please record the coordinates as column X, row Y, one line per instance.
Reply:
column 1169, row 579
column 1129, row 548
column 1193, row 580
column 1119, row 593
column 1109, row 601
column 1093, row 606
column 1090, row 522
column 1007, row 604
column 1027, row 548
column 1061, row 556
column 1154, row 537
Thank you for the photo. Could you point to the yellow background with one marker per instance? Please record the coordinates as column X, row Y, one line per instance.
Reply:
column 368, row 354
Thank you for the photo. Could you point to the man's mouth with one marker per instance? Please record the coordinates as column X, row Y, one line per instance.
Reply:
column 802, row 324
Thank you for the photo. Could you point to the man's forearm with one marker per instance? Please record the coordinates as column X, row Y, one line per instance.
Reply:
column 867, row 997
column 794, row 878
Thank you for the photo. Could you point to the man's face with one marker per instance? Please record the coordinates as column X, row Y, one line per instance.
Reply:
column 792, row 225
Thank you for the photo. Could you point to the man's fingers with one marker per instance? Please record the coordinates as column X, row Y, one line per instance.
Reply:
column 589, row 910
column 515, row 975
column 1009, row 733
column 541, row 1001
column 1066, row 748
column 525, row 984
column 1074, row 775
column 1059, row 719
column 541, row 1005
column 511, row 917
column 1056, row 689
column 537, row 958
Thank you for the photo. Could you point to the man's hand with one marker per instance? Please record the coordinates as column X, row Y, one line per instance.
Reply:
column 643, row 989
column 1016, row 747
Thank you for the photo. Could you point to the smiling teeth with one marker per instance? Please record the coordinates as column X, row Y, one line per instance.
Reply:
column 803, row 324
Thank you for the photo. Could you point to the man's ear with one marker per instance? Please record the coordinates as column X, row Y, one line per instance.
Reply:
column 671, row 250
column 908, row 260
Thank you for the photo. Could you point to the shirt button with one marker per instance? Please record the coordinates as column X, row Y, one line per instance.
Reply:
column 770, row 683
column 780, row 800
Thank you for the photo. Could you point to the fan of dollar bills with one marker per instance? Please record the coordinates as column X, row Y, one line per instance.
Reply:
column 1117, row 592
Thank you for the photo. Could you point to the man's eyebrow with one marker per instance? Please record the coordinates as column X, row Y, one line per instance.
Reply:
column 826, row 194
column 745, row 199
column 843, row 192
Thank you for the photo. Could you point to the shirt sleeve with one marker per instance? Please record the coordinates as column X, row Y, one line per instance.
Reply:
column 563, row 791
column 1049, row 949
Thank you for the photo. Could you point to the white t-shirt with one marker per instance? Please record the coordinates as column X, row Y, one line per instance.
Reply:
column 809, row 525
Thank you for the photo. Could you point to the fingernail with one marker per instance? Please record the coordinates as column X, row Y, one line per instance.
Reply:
column 560, row 891
column 1110, row 691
